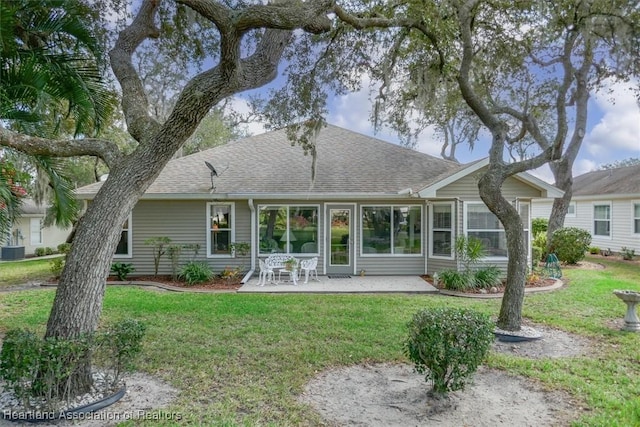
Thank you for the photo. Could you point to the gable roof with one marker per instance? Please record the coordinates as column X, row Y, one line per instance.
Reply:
column 625, row 180
column 268, row 165
column 546, row 189
column 349, row 164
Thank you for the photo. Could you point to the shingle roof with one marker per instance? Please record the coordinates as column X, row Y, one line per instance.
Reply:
column 347, row 162
column 625, row 180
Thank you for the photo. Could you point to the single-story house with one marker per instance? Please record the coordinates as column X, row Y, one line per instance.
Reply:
column 606, row 203
column 28, row 230
column 372, row 205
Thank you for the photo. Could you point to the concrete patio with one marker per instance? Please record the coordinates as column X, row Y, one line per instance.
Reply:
column 353, row 284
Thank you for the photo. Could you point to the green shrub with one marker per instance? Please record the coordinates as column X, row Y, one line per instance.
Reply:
column 122, row 270
column 540, row 240
column 195, row 272
column 40, row 252
column 39, row 370
column 627, row 253
column 119, row 346
column 539, row 225
column 64, row 248
column 487, row 277
column 49, row 251
column 594, row 250
column 570, row 244
column 455, row 280
column 447, row 345
column 536, row 255
column 56, row 265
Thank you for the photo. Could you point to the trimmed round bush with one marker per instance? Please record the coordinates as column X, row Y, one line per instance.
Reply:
column 570, row 244
column 447, row 345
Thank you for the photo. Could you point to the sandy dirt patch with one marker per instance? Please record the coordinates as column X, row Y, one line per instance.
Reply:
column 395, row 395
column 145, row 394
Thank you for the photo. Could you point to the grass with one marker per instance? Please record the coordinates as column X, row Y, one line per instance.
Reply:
column 242, row 359
column 19, row 272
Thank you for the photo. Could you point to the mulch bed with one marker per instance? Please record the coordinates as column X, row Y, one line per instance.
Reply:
column 216, row 283
column 539, row 283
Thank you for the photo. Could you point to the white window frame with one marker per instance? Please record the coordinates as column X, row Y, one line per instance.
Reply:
column 32, row 222
column 129, row 253
column 392, row 252
column 634, row 218
column 232, row 228
column 466, row 231
column 288, row 207
column 575, row 210
column 432, row 229
column 593, row 221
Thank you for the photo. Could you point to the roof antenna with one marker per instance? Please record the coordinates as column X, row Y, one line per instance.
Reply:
column 213, row 173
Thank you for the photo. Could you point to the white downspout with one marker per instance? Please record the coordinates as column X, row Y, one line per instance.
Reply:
column 253, row 241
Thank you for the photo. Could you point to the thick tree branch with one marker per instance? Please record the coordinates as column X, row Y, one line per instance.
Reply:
column 135, row 105
column 310, row 16
column 361, row 23
column 106, row 150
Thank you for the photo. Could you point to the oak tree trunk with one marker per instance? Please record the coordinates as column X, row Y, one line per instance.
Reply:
column 490, row 183
column 564, row 181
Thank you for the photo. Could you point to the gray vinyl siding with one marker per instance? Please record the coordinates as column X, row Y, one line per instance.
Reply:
column 467, row 188
column 622, row 232
column 184, row 222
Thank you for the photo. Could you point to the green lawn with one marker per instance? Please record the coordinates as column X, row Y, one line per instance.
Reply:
column 19, row 272
column 242, row 359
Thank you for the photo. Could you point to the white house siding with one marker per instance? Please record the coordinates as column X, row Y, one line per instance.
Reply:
column 184, row 222
column 622, row 234
column 51, row 237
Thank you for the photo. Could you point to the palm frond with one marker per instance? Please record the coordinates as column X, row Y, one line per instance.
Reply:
column 56, row 189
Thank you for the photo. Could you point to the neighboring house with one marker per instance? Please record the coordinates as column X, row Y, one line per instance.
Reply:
column 28, row 230
column 372, row 206
column 605, row 203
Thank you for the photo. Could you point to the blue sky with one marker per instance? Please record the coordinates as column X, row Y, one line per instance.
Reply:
column 613, row 131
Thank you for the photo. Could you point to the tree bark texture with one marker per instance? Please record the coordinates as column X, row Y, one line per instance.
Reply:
column 490, row 183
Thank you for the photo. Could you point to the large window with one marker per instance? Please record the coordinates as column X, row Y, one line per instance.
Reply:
column 482, row 224
column 221, row 217
column 442, row 230
column 636, row 218
column 288, row 229
column 602, row 220
column 391, row 230
column 123, row 250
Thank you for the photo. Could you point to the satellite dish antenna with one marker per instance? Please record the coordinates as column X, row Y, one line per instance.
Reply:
column 211, row 168
column 213, row 173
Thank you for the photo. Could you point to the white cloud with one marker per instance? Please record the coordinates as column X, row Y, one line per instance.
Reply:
column 544, row 173
column 619, row 128
column 581, row 166
column 241, row 106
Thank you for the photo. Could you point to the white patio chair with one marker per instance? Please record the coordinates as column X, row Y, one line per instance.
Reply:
column 309, row 266
column 266, row 273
